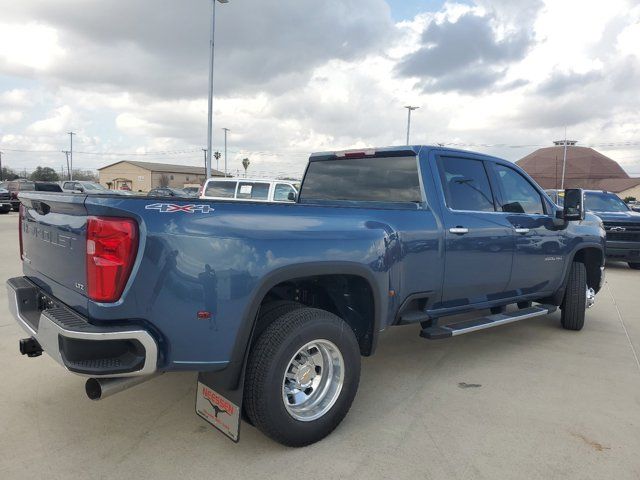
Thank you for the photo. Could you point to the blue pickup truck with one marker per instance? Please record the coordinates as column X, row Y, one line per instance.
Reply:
column 274, row 304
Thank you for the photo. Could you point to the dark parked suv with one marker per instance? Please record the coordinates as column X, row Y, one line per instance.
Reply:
column 15, row 187
column 5, row 203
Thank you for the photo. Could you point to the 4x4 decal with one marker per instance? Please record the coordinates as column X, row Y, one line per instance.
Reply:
column 173, row 208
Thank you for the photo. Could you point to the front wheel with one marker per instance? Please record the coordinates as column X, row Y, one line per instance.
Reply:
column 302, row 376
column 635, row 266
column 574, row 304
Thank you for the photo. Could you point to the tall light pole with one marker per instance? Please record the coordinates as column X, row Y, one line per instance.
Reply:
column 71, row 134
column 566, row 144
column 564, row 165
column 226, row 131
column 67, row 152
column 1, row 175
column 410, row 109
column 211, row 62
column 245, row 163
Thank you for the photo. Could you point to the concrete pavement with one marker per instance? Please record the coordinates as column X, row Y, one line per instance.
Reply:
column 527, row 400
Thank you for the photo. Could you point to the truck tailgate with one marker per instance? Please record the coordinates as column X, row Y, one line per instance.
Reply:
column 53, row 232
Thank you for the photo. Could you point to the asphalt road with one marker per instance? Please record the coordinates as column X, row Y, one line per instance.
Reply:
column 527, row 400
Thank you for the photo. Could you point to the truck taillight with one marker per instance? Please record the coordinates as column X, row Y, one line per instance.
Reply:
column 112, row 244
column 20, row 214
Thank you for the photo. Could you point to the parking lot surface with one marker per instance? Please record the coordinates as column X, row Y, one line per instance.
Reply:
column 526, row 400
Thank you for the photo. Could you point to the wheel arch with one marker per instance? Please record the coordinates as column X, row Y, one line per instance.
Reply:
column 246, row 332
column 593, row 256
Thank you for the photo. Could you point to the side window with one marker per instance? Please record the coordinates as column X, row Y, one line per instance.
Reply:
column 466, row 184
column 282, row 191
column 221, row 189
column 519, row 196
column 253, row 191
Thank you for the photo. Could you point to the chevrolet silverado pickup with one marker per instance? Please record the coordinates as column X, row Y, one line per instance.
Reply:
column 273, row 304
column 621, row 223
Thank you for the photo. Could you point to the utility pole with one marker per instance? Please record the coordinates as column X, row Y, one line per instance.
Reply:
column 410, row 109
column 211, row 63
column 226, row 131
column 71, row 134
column 67, row 152
column 205, row 161
column 564, row 161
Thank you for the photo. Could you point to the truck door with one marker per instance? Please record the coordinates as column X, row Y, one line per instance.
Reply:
column 540, row 244
column 479, row 242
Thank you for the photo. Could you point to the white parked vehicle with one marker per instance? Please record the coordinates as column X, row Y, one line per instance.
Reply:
column 249, row 190
column 82, row 186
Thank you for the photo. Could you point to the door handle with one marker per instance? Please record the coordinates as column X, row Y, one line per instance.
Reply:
column 522, row 231
column 459, row 230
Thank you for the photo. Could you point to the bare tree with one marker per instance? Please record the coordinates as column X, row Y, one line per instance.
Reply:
column 164, row 181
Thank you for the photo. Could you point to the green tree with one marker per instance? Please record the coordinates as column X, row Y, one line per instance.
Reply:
column 44, row 174
column 8, row 174
column 86, row 175
column 629, row 199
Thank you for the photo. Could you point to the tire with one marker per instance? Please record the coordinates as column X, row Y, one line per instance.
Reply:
column 574, row 304
column 4, row 212
column 267, row 403
column 16, row 208
column 272, row 311
column 634, row 266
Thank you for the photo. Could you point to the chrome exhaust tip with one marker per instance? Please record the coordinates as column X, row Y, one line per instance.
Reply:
column 99, row 388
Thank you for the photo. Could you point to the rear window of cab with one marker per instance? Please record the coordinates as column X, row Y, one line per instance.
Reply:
column 385, row 179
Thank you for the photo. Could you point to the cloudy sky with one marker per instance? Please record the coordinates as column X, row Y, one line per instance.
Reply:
column 296, row 76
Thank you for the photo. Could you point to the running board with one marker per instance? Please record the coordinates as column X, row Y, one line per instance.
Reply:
column 460, row 328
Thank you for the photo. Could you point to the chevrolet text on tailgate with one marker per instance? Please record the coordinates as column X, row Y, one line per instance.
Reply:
column 274, row 304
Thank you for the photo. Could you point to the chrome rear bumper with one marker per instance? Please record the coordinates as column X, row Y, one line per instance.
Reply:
column 76, row 344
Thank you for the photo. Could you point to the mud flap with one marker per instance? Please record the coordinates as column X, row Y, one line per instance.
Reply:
column 218, row 405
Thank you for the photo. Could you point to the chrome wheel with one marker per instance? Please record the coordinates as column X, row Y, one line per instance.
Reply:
column 591, row 297
column 313, row 380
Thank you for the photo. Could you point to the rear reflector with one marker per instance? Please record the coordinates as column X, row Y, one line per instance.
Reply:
column 112, row 244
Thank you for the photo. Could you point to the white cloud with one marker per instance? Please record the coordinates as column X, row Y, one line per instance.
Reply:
column 9, row 117
column 31, row 46
column 305, row 76
column 59, row 122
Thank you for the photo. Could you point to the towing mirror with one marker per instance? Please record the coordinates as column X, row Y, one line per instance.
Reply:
column 573, row 204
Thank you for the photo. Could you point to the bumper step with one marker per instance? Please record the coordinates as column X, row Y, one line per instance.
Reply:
column 75, row 343
column 482, row 323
